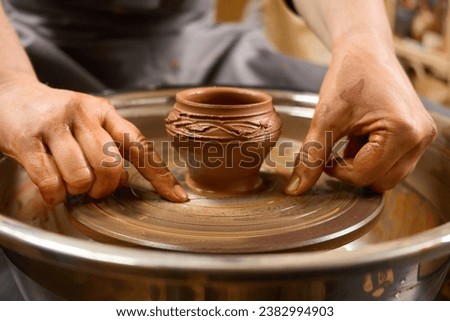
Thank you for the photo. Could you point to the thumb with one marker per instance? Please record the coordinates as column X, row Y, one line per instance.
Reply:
column 311, row 160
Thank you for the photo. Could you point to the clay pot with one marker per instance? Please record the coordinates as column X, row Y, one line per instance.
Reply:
column 223, row 134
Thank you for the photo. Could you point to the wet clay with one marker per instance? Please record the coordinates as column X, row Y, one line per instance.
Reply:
column 223, row 134
column 196, row 231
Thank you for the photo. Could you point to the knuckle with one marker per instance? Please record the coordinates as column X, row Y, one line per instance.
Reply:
column 110, row 155
column 140, row 148
column 140, row 139
column 28, row 145
column 103, row 102
column 161, row 172
column 110, row 173
column 57, row 131
column 103, row 106
column 73, row 101
column 310, row 157
column 81, row 179
column 83, row 106
column 411, row 131
column 49, row 185
column 142, row 151
column 423, row 133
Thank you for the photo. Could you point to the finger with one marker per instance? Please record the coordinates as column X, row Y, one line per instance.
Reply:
column 372, row 161
column 70, row 160
column 354, row 145
column 42, row 171
column 140, row 152
column 311, row 160
column 398, row 172
column 103, row 157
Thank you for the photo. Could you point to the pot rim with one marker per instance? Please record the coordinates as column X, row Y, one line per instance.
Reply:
column 266, row 99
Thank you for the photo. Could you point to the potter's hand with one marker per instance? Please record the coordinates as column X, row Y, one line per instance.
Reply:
column 367, row 98
column 66, row 141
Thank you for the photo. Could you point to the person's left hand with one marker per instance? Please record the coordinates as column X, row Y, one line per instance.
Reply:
column 70, row 142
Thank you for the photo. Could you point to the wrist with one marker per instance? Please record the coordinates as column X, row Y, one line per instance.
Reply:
column 367, row 43
column 8, row 76
column 359, row 23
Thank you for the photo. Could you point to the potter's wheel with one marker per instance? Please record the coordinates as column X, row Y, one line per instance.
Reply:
column 328, row 216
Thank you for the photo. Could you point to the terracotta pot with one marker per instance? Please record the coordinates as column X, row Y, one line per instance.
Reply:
column 223, row 134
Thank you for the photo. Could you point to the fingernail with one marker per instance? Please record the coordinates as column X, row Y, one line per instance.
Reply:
column 293, row 184
column 180, row 193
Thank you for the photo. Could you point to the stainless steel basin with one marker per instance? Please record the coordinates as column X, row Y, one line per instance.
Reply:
column 405, row 256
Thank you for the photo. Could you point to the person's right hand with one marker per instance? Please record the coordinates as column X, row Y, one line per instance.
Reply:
column 66, row 141
column 367, row 98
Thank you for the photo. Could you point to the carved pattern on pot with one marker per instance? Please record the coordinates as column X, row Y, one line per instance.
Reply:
column 207, row 127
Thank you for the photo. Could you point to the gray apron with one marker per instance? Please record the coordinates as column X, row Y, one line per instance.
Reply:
column 92, row 45
column 99, row 45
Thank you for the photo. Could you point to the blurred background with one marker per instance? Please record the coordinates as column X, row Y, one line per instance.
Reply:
column 421, row 31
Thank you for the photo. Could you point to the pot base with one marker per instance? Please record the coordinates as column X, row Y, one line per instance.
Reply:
column 254, row 186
